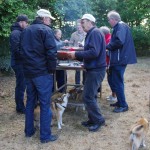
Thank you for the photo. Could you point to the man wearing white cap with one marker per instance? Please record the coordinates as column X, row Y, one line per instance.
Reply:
column 93, row 57
column 39, row 62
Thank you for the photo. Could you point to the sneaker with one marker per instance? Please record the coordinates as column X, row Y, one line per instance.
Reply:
column 111, row 98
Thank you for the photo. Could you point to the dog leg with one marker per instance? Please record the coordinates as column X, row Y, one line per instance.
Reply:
column 143, row 143
column 59, row 121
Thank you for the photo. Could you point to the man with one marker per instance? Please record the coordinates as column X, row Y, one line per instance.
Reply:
column 77, row 38
column 94, row 58
column 16, row 61
column 122, row 52
column 39, row 51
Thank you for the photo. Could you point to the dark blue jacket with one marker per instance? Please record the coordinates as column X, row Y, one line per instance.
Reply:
column 39, row 50
column 14, row 40
column 94, row 54
column 121, row 46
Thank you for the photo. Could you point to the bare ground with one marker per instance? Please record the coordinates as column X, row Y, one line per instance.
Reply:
column 113, row 136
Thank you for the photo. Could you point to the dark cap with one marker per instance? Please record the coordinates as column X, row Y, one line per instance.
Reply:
column 22, row 18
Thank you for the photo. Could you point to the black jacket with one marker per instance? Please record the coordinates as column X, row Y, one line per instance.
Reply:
column 121, row 46
column 39, row 50
column 14, row 40
column 94, row 54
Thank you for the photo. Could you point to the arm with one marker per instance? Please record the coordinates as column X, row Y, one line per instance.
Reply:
column 118, row 39
column 92, row 49
column 51, row 51
column 15, row 44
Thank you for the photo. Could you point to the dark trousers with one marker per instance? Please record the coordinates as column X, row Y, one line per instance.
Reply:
column 116, row 81
column 60, row 78
column 20, row 87
column 42, row 87
column 93, row 80
column 77, row 77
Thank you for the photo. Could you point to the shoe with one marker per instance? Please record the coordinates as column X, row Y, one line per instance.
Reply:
column 111, row 98
column 51, row 139
column 19, row 111
column 120, row 109
column 86, row 123
column 114, row 105
column 96, row 127
column 30, row 135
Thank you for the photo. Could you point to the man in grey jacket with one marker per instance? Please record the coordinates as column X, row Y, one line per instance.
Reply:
column 122, row 52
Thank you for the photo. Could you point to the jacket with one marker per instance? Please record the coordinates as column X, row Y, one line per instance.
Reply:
column 94, row 54
column 14, row 40
column 38, row 49
column 121, row 46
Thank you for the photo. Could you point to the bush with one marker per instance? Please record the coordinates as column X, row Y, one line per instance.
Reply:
column 141, row 40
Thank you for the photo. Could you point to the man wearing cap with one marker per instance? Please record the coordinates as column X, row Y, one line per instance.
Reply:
column 16, row 61
column 94, row 63
column 39, row 62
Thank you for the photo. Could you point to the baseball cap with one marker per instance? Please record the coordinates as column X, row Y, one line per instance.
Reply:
column 89, row 17
column 22, row 18
column 44, row 13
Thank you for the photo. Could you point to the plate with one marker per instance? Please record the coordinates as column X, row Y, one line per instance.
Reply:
column 64, row 64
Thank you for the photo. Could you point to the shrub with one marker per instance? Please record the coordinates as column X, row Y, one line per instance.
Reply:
column 141, row 40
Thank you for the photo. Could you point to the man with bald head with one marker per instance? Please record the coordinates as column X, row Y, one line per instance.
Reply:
column 122, row 52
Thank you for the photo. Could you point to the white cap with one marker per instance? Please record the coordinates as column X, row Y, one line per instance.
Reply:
column 89, row 17
column 44, row 13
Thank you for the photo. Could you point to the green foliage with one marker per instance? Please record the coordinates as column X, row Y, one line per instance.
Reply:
column 133, row 12
column 100, row 9
column 66, row 12
column 141, row 40
column 5, row 64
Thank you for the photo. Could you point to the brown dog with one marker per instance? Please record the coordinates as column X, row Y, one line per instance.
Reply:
column 58, row 105
column 138, row 133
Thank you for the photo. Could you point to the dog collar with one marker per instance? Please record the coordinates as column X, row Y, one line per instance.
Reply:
column 63, row 106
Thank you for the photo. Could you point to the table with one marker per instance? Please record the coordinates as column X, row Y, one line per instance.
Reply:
column 65, row 68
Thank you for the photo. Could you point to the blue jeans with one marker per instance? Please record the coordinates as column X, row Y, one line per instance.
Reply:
column 20, row 87
column 93, row 80
column 42, row 87
column 116, row 80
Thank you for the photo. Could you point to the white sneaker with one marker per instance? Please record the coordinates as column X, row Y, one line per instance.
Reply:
column 111, row 98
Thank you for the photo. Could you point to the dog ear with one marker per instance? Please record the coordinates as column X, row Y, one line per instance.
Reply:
column 138, row 130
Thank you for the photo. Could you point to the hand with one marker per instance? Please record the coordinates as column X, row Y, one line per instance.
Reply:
column 71, row 55
column 66, row 41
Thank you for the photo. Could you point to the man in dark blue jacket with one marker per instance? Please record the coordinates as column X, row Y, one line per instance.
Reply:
column 39, row 63
column 122, row 52
column 16, row 61
column 94, row 63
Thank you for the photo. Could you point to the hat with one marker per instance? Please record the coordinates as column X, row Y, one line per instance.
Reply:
column 89, row 17
column 22, row 18
column 44, row 13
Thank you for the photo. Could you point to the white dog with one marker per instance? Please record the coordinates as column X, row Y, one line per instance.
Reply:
column 58, row 107
column 138, row 133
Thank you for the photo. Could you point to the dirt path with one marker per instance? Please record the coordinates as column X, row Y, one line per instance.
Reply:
column 114, row 136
